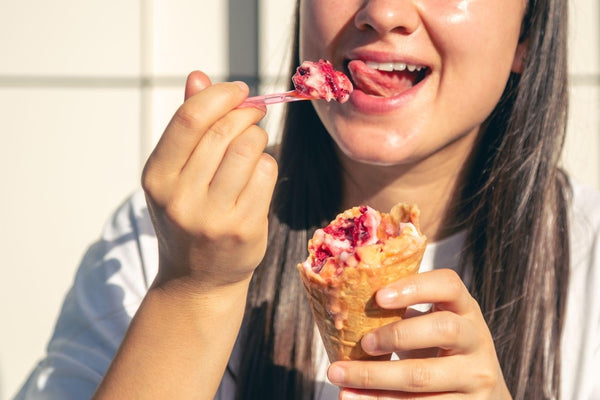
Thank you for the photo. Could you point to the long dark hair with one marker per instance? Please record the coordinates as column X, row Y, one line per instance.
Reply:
column 513, row 208
column 518, row 246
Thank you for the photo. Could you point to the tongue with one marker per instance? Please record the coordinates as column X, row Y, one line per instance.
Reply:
column 380, row 83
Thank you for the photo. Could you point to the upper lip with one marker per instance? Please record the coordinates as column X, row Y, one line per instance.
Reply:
column 384, row 57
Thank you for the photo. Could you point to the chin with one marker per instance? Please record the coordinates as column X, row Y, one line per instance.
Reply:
column 377, row 156
column 388, row 151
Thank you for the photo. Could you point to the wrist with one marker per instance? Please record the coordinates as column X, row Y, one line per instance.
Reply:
column 194, row 293
column 200, row 276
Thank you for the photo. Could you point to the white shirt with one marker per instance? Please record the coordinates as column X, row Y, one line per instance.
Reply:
column 117, row 270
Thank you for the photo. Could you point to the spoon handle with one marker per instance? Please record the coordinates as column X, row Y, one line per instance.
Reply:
column 274, row 98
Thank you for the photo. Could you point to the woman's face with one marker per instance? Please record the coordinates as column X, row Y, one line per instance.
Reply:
column 451, row 60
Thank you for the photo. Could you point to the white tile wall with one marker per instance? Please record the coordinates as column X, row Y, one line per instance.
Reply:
column 275, row 36
column 70, row 37
column 188, row 35
column 582, row 149
column 86, row 89
column 165, row 101
column 584, row 16
column 68, row 156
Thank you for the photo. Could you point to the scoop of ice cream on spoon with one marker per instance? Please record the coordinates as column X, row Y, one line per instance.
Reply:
column 312, row 81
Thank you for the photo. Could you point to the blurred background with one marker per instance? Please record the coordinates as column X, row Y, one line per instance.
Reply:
column 86, row 89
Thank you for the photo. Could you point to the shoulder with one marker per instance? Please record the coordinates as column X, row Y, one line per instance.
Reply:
column 585, row 202
column 112, row 277
column 115, row 271
column 128, row 242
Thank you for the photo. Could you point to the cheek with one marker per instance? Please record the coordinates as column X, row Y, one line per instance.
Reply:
column 485, row 27
column 477, row 40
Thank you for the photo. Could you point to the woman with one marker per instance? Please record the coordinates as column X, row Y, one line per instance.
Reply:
column 469, row 126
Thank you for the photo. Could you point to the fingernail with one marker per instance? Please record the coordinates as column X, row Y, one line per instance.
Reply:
column 369, row 342
column 387, row 296
column 241, row 85
column 336, row 374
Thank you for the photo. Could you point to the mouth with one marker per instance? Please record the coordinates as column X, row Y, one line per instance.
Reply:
column 385, row 79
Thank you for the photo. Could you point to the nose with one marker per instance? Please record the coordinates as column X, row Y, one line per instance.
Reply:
column 386, row 16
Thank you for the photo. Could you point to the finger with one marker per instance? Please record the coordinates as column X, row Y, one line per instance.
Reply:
column 237, row 166
column 196, row 82
column 190, row 122
column 255, row 199
column 444, row 330
column 429, row 375
column 209, row 152
column 442, row 287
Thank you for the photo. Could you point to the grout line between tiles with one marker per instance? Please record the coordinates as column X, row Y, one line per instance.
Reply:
column 101, row 82
column 161, row 81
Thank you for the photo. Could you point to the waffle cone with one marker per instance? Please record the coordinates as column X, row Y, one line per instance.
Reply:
column 343, row 302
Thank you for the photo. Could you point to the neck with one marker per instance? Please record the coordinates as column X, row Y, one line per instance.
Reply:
column 432, row 184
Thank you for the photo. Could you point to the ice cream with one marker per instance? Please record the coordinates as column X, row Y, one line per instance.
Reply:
column 358, row 253
column 319, row 80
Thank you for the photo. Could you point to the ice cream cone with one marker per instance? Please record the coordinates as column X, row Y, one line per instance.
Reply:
column 341, row 287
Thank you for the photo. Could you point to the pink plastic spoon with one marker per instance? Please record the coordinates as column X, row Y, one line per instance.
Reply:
column 275, row 98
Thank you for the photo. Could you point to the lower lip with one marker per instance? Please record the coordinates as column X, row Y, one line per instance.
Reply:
column 381, row 105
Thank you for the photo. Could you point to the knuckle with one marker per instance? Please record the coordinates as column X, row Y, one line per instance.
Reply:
column 229, row 89
column 365, row 378
column 243, row 233
column 453, row 281
column 222, row 230
column 220, row 130
column 153, row 183
column 268, row 165
column 260, row 137
column 241, row 150
column 399, row 336
column 419, row 376
column 148, row 181
column 214, row 229
column 487, row 378
column 188, row 117
column 250, row 144
column 211, row 232
column 448, row 326
column 176, row 209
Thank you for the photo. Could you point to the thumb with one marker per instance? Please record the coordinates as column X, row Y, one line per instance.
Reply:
column 196, row 81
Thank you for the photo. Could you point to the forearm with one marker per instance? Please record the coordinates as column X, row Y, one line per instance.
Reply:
column 177, row 346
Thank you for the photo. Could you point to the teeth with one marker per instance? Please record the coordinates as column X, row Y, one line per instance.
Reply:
column 386, row 66
column 396, row 66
